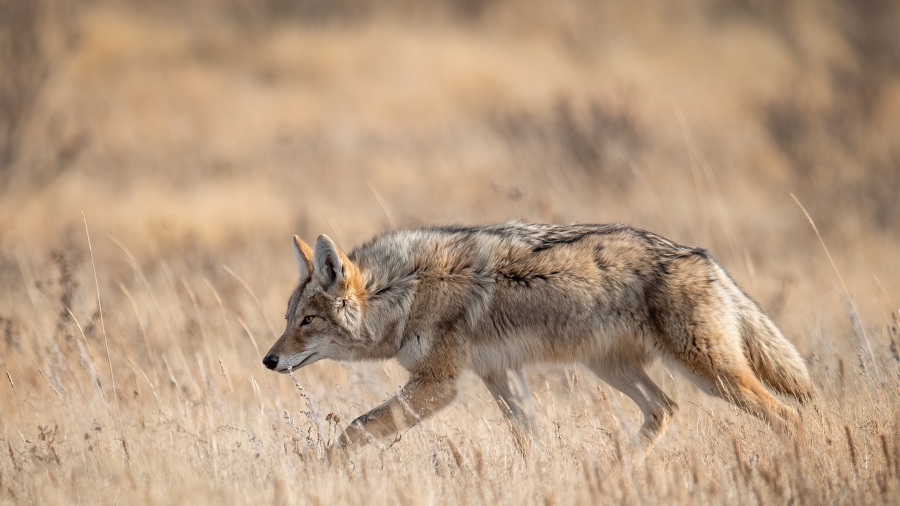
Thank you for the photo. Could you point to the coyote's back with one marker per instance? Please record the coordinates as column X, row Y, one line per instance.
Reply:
column 494, row 299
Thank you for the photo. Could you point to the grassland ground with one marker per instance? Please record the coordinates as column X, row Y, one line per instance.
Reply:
column 194, row 140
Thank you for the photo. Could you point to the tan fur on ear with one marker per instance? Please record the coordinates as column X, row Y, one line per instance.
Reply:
column 304, row 256
column 352, row 286
column 332, row 267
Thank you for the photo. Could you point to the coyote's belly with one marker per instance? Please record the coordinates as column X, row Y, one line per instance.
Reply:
column 522, row 347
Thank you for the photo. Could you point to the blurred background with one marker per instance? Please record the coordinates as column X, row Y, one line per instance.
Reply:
column 195, row 138
column 196, row 132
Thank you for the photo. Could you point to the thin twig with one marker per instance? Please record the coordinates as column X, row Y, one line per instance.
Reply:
column 18, row 406
column 843, row 285
column 250, row 335
column 112, row 377
column 222, row 310
column 695, row 173
column 252, row 294
column 140, row 322
column 93, row 363
column 383, row 205
column 337, row 233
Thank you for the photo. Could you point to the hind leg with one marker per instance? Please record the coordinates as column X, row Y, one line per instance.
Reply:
column 629, row 378
column 511, row 392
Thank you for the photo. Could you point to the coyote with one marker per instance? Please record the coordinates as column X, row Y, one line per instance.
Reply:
column 493, row 299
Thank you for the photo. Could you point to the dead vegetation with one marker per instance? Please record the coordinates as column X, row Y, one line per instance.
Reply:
column 198, row 137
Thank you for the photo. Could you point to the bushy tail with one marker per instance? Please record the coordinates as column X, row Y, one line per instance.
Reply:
column 774, row 359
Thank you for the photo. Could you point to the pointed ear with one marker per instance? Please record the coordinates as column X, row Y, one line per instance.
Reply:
column 330, row 264
column 304, row 256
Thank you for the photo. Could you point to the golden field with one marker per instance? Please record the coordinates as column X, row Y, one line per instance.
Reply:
column 193, row 139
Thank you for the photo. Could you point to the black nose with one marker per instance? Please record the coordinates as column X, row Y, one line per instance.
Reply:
column 271, row 361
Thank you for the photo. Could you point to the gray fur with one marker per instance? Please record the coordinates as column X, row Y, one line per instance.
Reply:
column 497, row 298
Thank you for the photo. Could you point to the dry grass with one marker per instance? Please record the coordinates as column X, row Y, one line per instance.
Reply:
column 198, row 138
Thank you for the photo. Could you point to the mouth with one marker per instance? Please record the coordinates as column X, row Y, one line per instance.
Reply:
column 309, row 359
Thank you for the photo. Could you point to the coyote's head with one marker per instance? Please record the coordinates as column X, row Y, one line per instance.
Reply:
column 324, row 312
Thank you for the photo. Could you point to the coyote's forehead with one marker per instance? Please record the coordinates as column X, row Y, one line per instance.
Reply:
column 295, row 301
column 309, row 298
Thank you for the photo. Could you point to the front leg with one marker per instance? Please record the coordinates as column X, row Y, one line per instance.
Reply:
column 421, row 397
column 435, row 362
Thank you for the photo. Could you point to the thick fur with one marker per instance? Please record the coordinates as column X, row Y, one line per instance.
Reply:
column 494, row 299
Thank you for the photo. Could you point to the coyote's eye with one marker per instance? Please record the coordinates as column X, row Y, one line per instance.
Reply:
column 307, row 320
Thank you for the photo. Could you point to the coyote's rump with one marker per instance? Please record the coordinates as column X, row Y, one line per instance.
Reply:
column 494, row 299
